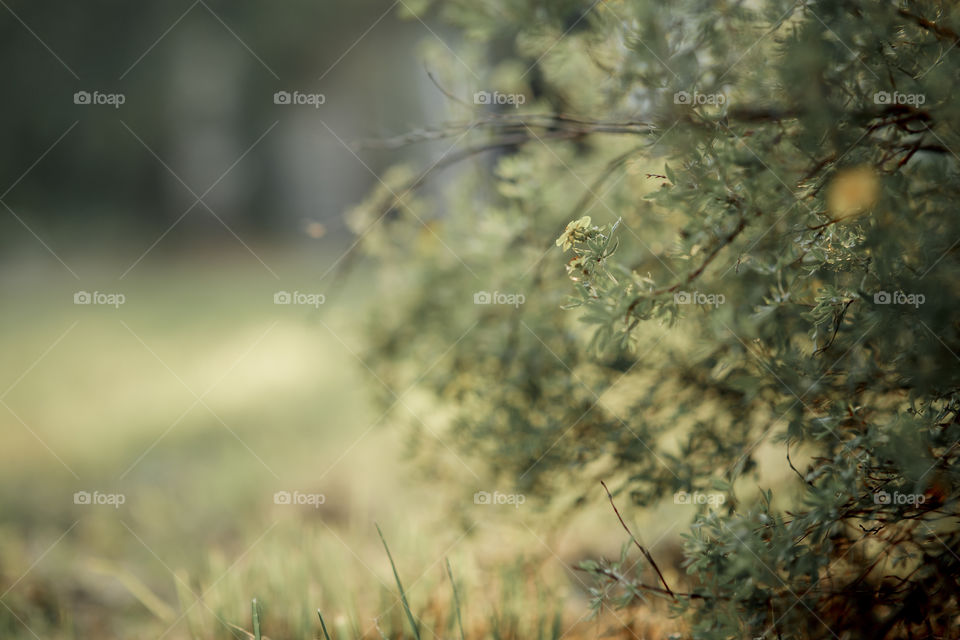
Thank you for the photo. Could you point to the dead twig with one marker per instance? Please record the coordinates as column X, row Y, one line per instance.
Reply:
column 643, row 549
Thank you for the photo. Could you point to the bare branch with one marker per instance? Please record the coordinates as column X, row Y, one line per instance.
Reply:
column 643, row 549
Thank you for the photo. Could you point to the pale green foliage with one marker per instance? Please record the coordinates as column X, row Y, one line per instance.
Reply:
column 785, row 211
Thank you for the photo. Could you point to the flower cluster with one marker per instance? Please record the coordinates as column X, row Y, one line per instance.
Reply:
column 576, row 231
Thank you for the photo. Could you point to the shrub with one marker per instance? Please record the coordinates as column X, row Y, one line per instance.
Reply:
column 755, row 202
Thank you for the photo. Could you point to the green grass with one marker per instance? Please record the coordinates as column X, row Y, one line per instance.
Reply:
column 110, row 395
column 403, row 595
column 199, row 549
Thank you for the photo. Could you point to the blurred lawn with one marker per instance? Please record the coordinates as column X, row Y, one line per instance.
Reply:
column 198, row 399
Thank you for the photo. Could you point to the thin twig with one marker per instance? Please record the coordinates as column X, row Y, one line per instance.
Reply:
column 643, row 549
column 649, row 587
column 838, row 320
column 693, row 275
column 790, row 462
column 506, row 123
column 448, row 93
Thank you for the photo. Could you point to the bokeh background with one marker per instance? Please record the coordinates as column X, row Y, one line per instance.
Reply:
column 198, row 199
column 198, row 81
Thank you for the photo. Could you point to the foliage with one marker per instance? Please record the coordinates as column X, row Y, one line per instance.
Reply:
column 763, row 259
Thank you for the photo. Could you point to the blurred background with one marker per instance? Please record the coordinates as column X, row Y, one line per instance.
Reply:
column 196, row 115
column 181, row 367
column 145, row 156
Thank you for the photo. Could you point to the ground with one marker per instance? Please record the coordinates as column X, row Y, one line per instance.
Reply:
column 197, row 400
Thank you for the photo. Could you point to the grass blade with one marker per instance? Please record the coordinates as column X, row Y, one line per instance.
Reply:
column 326, row 635
column 456, row 598
column 256, row 619
column 403, row 595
